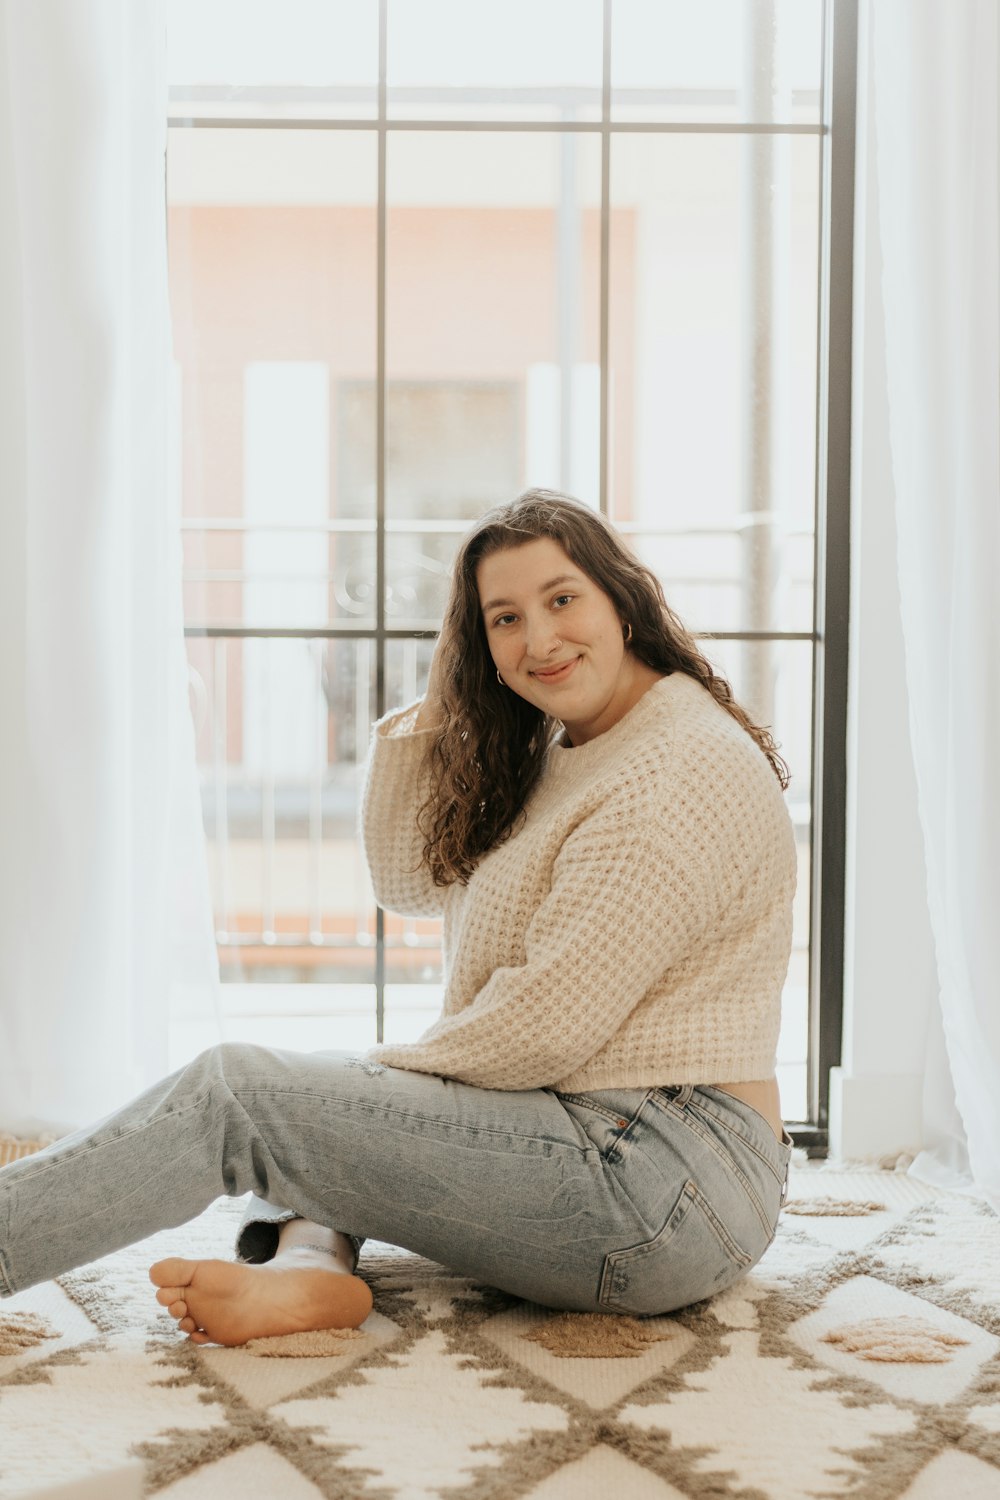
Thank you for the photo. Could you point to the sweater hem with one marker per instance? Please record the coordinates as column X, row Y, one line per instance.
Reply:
column 587, row 1080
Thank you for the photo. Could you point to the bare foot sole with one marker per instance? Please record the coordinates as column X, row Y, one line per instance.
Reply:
column 229, row 1302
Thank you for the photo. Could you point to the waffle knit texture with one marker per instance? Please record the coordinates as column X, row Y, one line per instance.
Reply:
column 634, row 931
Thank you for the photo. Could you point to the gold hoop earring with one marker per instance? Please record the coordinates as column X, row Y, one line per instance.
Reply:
column 628, row 627
column 500, row 679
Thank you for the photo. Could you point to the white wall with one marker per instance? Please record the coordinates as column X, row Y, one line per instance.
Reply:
column 890, row 976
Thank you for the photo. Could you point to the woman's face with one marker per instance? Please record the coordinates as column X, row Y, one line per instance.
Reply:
column 556, row 638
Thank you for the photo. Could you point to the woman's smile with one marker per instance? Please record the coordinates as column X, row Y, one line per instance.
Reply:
column 550, row 675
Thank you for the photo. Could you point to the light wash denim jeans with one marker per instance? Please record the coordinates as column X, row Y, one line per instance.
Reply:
column 622, row 1200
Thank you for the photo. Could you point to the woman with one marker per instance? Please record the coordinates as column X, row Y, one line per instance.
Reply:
column 603, row 829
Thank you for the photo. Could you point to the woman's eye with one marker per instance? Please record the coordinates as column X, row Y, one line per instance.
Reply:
column 501, row 618
column 560, row 597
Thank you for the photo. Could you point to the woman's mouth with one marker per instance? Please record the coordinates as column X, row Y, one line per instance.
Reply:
column 556, row 674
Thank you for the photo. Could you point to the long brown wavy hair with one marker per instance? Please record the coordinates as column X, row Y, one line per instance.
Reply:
column 488, row 753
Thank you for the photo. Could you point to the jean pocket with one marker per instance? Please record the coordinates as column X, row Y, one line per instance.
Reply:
column 692, row 1257
column 606, row 1116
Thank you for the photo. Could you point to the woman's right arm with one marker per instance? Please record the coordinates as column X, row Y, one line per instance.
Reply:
column 396, row 788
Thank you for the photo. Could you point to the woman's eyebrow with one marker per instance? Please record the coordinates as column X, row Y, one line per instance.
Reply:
column 552, row 583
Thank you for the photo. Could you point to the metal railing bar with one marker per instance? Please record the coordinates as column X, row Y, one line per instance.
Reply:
column 754, row 635
column 569, row 94
column 733, row 525
column 331, row 632
column 315, row 851
column 267, row 808
column 305, row 632
column 220, row 774
column 670, row 581
column 524, row 127
column 685, row 580
column 325, row 940
column 362, row 722
column 239, row 524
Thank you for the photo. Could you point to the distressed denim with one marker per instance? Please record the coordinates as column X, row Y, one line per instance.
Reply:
column 633, row 1200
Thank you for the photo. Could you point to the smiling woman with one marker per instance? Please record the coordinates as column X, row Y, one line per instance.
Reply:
column 561, row 645
column 603, row 830
column 544, row 580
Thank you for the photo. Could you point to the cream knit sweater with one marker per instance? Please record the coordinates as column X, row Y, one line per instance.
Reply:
column 635, row 931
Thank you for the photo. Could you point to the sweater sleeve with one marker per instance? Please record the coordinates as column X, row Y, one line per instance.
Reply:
column 396, row 787
column 625, row 905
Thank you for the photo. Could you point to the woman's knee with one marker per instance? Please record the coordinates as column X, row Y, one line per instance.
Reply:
column 235, row 1065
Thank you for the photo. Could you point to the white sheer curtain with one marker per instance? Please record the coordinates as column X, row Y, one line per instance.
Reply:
column 935, row 75
column 105, row 921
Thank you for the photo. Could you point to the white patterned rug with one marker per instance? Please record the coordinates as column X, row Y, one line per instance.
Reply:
column 861, row 1358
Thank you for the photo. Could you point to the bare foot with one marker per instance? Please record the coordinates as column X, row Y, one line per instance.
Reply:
column 229, row 1302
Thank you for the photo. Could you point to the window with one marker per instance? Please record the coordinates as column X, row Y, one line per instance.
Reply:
column 418, row 265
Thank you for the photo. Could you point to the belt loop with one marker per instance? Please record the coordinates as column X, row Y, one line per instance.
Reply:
column 686, row 1090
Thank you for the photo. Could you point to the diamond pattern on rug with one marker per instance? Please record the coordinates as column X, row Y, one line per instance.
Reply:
column 20, row 1331
column 899, row 1195
column 49, row 1303
column 250, row 1474
column 447, row 1393
column 598, row 1382
column 791, row 1256
column 263, row 1383
column 737, row 1307
column 866, row 1299
column 955, row 1474
column 443, row 1430
column 821, row 1435
column 602, row 1473
column 987, row 1417
column 957, row 1241
column 102, row 1403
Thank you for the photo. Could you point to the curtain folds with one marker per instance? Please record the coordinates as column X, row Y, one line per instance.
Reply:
column 935, row 74
column 105, row 921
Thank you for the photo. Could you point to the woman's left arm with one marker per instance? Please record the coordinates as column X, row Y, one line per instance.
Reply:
column 626, row 903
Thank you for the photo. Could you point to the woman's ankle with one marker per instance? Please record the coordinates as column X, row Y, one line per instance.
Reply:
column 300, row 1240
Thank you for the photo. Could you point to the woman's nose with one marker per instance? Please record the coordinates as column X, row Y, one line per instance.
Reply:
column 541, row 639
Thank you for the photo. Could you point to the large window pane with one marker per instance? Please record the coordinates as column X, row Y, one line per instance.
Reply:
column 492, row 339
column 230, row 58
column 773, row 682
column 282, row 732
column 493, row 382
column 522, row 60
column 272, row 284
column 736, row 61
column 713, row 387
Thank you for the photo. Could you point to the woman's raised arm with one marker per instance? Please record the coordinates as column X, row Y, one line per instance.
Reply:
column 396, row 788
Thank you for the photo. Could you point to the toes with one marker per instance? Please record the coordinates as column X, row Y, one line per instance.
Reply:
column 188, row 1325
column 168, row 1294
column 199, row 1338
column 173, row 1272
column 178, row 1309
